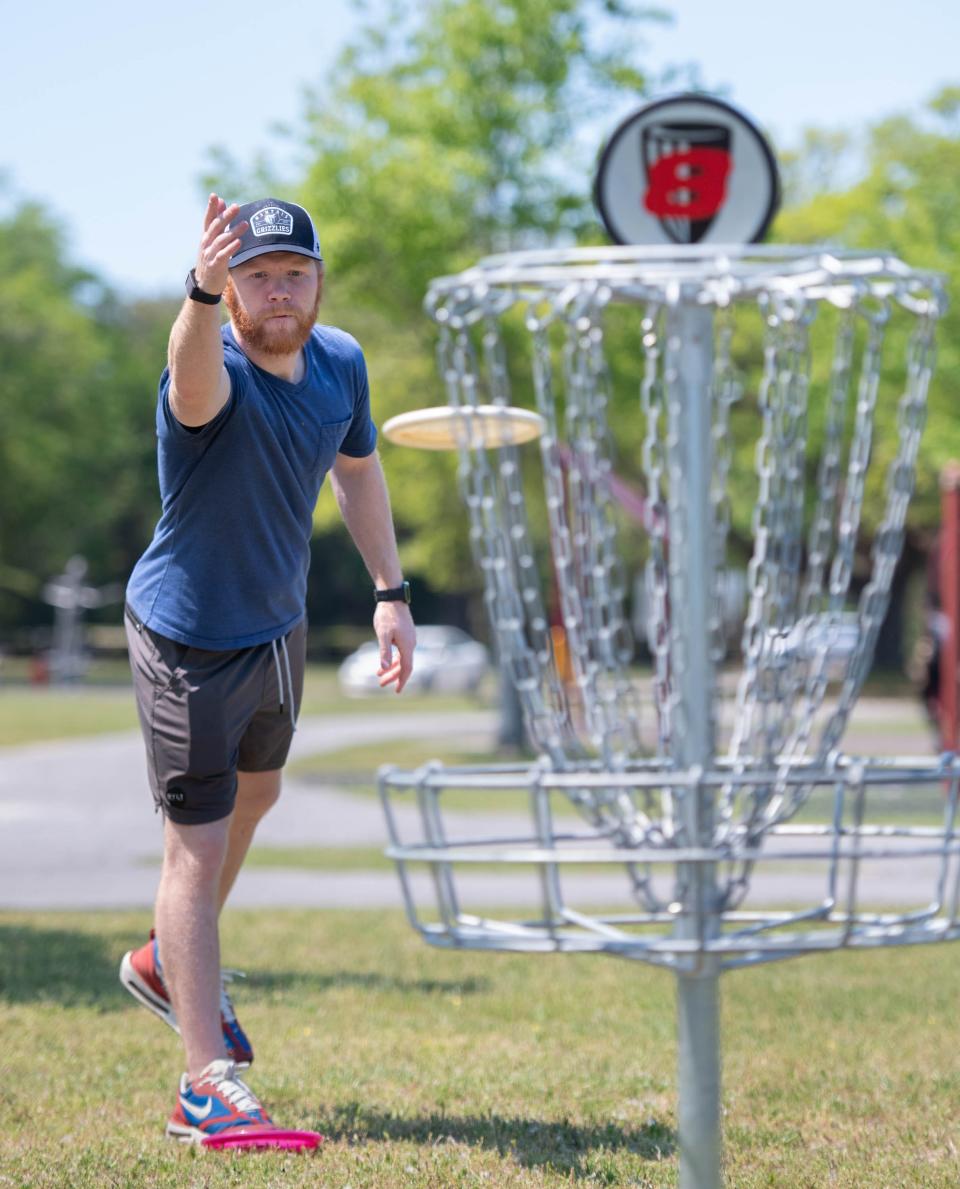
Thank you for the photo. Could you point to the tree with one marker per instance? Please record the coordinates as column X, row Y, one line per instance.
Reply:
column 907, row 202
column 77, row 374
column 449, row 130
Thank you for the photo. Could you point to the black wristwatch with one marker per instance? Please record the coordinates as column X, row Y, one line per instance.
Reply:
column 395, row 594
column 195, row 293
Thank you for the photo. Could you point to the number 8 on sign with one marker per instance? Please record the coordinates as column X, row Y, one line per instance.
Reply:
column 687, row 170
column 687, row 167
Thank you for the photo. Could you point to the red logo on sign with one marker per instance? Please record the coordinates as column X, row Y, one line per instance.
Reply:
column 691, row 184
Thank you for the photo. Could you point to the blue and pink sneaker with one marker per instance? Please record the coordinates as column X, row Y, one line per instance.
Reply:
column 220, row 1111
column 142, row 975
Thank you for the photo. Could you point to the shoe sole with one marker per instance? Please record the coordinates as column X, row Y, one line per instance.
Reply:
column 147, row 998
column 185, row 1135
column 298, row 1141
column 161, row 1008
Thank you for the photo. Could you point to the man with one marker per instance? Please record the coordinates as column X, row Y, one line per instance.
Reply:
column 251, row 416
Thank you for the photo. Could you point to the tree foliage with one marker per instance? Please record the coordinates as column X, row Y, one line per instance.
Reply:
column 77, row 469
column 449, row 130
column 908, row 203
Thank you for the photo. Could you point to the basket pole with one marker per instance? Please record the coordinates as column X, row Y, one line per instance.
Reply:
column 688, row 380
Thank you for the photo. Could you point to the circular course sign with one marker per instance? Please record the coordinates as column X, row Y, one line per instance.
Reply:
column 688, row 169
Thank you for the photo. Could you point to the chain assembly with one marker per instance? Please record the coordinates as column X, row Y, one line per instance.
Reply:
column 816, row 574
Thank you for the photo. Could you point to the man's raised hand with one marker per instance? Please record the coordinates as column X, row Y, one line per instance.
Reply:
column 217, row 244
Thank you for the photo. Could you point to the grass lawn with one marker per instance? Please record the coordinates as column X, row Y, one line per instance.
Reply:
column 33, row 713
column 353, row 769
column 435, row 1069
column 363, row 858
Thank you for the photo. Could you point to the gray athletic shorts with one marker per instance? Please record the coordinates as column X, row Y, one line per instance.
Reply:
column 205, row 715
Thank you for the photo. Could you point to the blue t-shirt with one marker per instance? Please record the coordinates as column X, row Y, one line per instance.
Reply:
column 227, row 566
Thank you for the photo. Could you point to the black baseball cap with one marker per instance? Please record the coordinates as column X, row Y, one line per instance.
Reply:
column 275, row 226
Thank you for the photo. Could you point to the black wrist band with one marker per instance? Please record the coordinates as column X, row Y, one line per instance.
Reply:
column 195, row 293
column 395, row 594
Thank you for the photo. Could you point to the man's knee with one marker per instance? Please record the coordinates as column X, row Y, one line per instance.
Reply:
column 195, row 850
column 257, row 792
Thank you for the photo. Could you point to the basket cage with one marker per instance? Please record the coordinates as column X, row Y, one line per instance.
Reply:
column 676, row 390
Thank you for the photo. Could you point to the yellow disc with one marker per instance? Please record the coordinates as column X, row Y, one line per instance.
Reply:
column 473, row 426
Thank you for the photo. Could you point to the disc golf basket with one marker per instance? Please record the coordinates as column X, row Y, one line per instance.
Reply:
column 759, row 373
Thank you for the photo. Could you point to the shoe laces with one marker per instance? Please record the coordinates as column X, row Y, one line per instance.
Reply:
column 223, row 1075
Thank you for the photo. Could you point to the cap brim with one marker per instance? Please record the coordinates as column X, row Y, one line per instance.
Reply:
column 261, row 249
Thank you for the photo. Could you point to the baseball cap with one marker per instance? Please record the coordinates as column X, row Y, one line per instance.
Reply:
column 275, row 226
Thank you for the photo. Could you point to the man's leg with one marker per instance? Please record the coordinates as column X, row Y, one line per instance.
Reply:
column 256, row 793
column 186, row 921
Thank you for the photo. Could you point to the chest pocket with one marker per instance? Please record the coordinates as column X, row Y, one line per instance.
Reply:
column 331, row 436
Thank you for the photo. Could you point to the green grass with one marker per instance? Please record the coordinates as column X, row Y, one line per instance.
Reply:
column 309, row 858
column 356, row 858
column 353, row 769
column 363, row 858
column 432, row 1069
column 30, row 714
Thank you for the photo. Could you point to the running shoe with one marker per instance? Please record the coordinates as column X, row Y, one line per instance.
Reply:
column 141, row 974
column 220, row 1111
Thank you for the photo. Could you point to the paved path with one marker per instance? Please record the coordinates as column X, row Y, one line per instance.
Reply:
column 77, row 827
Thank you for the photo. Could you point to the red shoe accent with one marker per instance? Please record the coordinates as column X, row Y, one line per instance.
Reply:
column 264, row 1137
column 221, row 1111
column 140, row 976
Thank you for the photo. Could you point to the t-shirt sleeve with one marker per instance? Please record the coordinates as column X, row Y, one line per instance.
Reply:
column 361, row 437
column 169, row 426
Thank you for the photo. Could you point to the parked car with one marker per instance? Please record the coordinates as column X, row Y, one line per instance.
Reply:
column 834, row 637
column 447, row 661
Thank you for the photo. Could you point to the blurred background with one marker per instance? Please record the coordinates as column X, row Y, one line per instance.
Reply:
column 421, row 136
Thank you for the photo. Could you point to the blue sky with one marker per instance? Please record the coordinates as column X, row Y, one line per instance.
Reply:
column 111, row 107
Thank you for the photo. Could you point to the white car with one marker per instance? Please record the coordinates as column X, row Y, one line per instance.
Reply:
column 447, row 661
column 830, row 640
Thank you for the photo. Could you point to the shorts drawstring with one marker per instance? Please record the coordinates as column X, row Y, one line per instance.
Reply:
column 280, row 686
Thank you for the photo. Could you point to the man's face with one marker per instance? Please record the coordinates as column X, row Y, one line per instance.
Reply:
column 273, row 301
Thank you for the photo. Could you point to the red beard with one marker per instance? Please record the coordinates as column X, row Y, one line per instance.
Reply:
column 263, row 334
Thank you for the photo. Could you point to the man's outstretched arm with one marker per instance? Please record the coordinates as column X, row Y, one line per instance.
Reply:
column 199, row 383
column 361, row 493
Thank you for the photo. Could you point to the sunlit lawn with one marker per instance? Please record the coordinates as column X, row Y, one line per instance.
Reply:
column 429, row 1068
column 105, row 703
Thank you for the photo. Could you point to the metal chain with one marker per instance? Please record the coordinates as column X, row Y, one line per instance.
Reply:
column 829, row 471
column 627, row 819
column 888, row 540
column 610, row 700
column 505, row 561
column 727, row 389
column 798, row 579
column 653, row 456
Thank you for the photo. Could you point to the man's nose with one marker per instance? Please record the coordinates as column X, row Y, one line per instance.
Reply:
column 279, row 291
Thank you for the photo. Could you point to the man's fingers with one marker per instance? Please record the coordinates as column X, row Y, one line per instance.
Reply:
column 397, row 639
column 406, row 668
column 215, row 208
column 217, row 246
column 226, row 251
column 220, row 227
column 398, row 672
column 224, row 246
column 385, row 676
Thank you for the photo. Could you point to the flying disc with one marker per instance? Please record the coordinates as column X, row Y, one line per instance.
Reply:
column 473, row 426
column 265, row 1137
